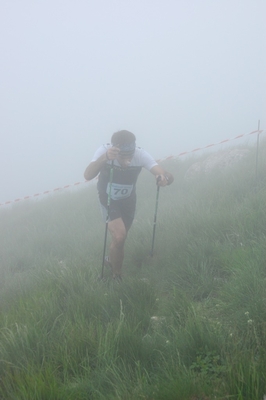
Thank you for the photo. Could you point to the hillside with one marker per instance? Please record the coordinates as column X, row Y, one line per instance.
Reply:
column 188, row 323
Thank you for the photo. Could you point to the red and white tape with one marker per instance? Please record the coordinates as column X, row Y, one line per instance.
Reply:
column 42, row 193
column 166, row 158
column 213, row 144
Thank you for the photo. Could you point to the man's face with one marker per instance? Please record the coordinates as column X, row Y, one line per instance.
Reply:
column 124, row 160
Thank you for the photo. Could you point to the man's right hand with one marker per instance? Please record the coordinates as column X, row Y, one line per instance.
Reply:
column 112, row 153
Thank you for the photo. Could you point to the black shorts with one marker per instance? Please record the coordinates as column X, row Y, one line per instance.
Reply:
column 124, row 208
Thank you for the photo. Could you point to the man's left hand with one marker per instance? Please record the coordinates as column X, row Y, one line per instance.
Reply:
column 161, row 180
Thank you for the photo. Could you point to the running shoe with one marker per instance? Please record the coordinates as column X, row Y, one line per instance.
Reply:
column 107, row 262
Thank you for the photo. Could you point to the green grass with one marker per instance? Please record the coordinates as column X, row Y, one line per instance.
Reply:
column 188, row 323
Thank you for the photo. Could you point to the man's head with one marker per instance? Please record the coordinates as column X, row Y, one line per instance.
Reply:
column 126, row 141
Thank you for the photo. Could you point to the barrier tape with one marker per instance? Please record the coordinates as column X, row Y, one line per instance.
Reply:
column 166, row 158
column 213, row 144
column 42, row 193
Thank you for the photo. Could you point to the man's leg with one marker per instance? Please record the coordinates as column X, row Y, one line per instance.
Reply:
column 116, row 252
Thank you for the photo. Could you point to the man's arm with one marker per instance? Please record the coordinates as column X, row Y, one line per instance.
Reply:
column 166, row 178
column 95, row 167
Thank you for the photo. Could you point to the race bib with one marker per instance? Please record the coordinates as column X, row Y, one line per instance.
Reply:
column 119, row 191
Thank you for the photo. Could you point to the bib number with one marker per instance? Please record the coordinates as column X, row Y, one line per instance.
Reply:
column 119, row 191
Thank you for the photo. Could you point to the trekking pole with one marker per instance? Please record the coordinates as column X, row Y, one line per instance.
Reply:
column 155, row 215
column 107, row 215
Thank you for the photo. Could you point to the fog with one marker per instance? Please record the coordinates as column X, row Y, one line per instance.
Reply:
column 179, row 74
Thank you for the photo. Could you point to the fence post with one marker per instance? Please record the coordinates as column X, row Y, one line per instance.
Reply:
column 257, row 152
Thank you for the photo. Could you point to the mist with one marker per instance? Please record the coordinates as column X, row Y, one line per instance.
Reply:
column 178, row 74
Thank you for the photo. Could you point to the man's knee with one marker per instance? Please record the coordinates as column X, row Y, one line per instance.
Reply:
column 119, row 237
column 118, row 232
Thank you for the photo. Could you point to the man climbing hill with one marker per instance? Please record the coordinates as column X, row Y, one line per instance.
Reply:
column 119, row 165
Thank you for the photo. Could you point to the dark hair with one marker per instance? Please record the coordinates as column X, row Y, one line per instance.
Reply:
column 123, row 137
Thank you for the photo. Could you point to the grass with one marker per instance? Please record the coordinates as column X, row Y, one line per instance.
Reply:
column 188, row 323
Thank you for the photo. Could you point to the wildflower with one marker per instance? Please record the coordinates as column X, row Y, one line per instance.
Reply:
column 145, row 280
column 157, row 320
column 247, row 313
column 250, row 321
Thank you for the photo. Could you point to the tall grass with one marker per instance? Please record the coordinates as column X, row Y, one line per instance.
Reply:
column 188, row 323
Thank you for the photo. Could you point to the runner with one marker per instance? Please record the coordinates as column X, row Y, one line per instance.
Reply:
column 123, row 161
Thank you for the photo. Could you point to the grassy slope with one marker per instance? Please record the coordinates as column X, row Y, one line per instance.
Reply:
column 187, row 324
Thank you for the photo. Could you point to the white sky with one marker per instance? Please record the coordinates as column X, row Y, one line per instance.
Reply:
column 179, row 74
